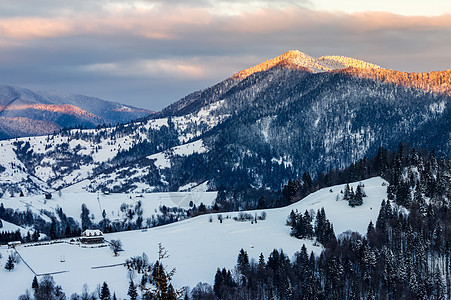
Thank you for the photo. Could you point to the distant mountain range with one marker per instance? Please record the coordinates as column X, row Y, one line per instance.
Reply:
column 257, row 129
column 28, row 113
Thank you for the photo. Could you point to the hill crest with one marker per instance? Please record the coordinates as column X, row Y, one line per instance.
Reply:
column 22, row 110
column 295, row 59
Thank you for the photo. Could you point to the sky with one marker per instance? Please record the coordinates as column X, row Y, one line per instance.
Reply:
column 152, row 53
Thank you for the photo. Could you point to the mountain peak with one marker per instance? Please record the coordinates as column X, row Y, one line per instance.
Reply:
column 291, row 59
column 295, row 59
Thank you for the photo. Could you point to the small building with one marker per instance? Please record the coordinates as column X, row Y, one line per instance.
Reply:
column 92, row 236
column 14, row 244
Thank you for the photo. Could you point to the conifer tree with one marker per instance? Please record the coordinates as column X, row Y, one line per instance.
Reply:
column 261, row 261
column 105, row 292
column 307, row 223
column 320, row 224
column 403, row 196
column 347, row 192
column 85, row 219
column 308, row 182
column 35, row 284
column 291, row 221
column 357, row 199
column 9, row 263
column 132, row 292
column 218, row 283
column 243, row 261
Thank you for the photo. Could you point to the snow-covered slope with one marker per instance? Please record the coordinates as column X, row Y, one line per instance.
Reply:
column 197, row 247
column 82, row 151
column 10, row 227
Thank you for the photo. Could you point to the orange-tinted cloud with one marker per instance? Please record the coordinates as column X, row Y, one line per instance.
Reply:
column 154, row 24
column 372, row 21
column 31, row 28
column 298, row 19
column 167, row 22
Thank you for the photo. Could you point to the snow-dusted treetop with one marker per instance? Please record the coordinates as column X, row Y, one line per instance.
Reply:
column 335, row 62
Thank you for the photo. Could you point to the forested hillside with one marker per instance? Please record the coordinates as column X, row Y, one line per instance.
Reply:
column 405, row 254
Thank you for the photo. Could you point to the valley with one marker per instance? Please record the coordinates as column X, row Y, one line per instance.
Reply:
column 197, row 247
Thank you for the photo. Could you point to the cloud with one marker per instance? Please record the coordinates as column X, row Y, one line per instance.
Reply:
column 159, row 21
column 372, row 21
column 294, row 19
column 158, row 51
column 30, row 28
column 163, row 68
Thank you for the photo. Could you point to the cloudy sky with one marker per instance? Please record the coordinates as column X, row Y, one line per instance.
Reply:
column 152, row 53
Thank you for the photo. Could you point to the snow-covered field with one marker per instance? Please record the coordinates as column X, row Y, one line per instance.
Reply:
column 7, row 226
column 197, row 247
column 97, row 202
column 162, row 159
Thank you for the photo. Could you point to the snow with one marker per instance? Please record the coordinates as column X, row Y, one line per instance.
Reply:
column 437, row 108
column 336, row 62
column 102, row 145
column 92, row 232
column 194, row 187
column 163, row 159
column 283, row 160
column 7, row 226
column 264, row 124
column 197, row 247
column 190, row 148
column 96, row 202
column 105, row 150
column 13, row 166
column 156, row 123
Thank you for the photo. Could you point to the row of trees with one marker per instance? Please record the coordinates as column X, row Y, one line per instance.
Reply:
column 47, row 289
column 9, row 236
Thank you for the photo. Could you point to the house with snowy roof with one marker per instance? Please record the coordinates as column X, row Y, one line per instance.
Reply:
column 14, row 244
column 92, row 236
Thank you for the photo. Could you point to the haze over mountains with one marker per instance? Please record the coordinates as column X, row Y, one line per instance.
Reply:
column 258, row 128
column 28, row 113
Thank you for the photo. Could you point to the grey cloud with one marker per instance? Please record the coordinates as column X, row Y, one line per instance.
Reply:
column 219, row 48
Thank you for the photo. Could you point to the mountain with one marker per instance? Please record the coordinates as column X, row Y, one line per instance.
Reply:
column 27, row 113
column 295, row 60
column 257, row 129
